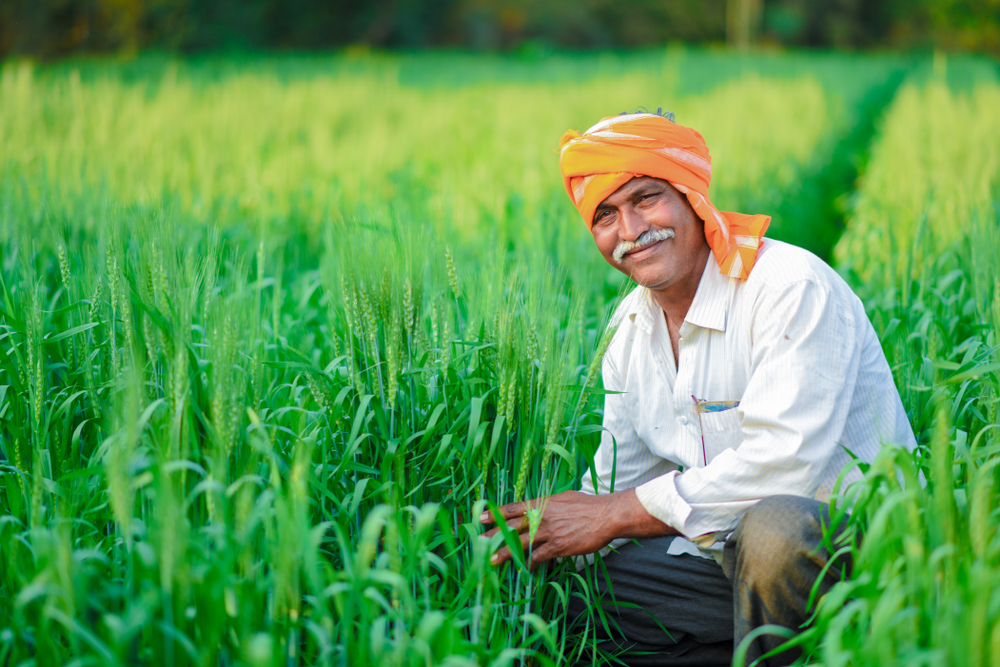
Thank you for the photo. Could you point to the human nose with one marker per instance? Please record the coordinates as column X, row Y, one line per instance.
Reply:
column 633, row 224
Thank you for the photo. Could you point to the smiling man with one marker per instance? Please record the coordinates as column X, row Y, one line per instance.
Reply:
column 745, row 370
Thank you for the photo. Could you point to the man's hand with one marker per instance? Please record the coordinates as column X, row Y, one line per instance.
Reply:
column 574, row 524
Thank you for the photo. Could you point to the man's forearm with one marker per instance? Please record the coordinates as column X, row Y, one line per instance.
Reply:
column 627, row 518
column 575, row 523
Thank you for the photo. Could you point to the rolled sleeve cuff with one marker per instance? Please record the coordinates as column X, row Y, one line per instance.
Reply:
column 660, row 498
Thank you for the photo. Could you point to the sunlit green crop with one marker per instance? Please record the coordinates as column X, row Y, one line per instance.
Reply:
column 273, row 334
column 922, row 248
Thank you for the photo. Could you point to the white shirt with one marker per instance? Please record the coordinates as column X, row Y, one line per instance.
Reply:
column 793, row 345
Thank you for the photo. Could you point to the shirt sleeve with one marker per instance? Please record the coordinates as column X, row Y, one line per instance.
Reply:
column 623, row 460
column 804, row 366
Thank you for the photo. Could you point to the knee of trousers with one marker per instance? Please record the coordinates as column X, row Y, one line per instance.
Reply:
column 775, row 536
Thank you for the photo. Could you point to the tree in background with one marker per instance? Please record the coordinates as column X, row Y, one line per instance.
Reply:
column 969, row 25
column 743, row 22
column 56, row 28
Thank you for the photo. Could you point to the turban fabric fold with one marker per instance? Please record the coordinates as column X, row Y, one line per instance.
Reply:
column 605, row 157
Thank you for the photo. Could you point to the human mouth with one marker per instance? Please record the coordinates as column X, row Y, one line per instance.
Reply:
column 648, row 239
column 642, row 253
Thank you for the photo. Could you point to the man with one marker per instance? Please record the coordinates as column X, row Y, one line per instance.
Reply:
column 746, row 370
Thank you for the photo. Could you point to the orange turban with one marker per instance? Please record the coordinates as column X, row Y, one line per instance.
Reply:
column 618, row 148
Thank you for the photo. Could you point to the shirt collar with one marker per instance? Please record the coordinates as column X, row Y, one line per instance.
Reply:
column 641, row 309
column 709, row 309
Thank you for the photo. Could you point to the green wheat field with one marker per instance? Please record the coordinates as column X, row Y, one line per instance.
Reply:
column 275, row 330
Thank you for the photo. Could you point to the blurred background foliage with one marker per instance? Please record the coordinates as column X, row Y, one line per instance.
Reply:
column 58, row 28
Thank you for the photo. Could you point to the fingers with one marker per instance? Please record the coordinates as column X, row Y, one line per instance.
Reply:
column 511, row 511
column 541, row 554
column 503, row 553
column 518, row 523
column 515, row 515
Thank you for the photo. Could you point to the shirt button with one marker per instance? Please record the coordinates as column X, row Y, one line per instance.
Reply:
column 683, row 421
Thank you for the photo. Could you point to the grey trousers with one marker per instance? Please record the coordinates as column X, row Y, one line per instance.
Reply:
column 683, row 610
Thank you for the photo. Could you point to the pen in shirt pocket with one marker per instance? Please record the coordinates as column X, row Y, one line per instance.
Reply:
column 702, row 406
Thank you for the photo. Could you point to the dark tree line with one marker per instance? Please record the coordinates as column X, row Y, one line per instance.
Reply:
column 56, row 28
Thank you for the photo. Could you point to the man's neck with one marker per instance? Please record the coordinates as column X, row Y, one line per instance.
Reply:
column 675, row 299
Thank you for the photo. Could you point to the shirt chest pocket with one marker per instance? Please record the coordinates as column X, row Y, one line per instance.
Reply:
column 721, row 431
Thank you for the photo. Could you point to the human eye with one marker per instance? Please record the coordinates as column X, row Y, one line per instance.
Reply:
column 602, row 217
column 648, row 196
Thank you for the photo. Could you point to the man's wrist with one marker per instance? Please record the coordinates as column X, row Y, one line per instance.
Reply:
column 628, row 518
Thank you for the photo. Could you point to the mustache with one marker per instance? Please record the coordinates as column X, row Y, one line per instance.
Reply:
column 646, row 238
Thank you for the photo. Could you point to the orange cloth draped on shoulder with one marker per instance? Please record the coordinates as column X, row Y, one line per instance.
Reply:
column 618, row 148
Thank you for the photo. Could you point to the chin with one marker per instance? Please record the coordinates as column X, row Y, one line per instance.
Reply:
column 647, row 279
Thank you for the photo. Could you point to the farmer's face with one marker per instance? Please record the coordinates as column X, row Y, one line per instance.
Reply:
column 647, row 230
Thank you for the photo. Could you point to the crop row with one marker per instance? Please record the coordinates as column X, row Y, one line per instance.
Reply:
column 271, row 342
column 922, row 248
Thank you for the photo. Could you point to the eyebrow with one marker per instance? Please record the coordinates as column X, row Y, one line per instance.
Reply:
column 644, row 189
